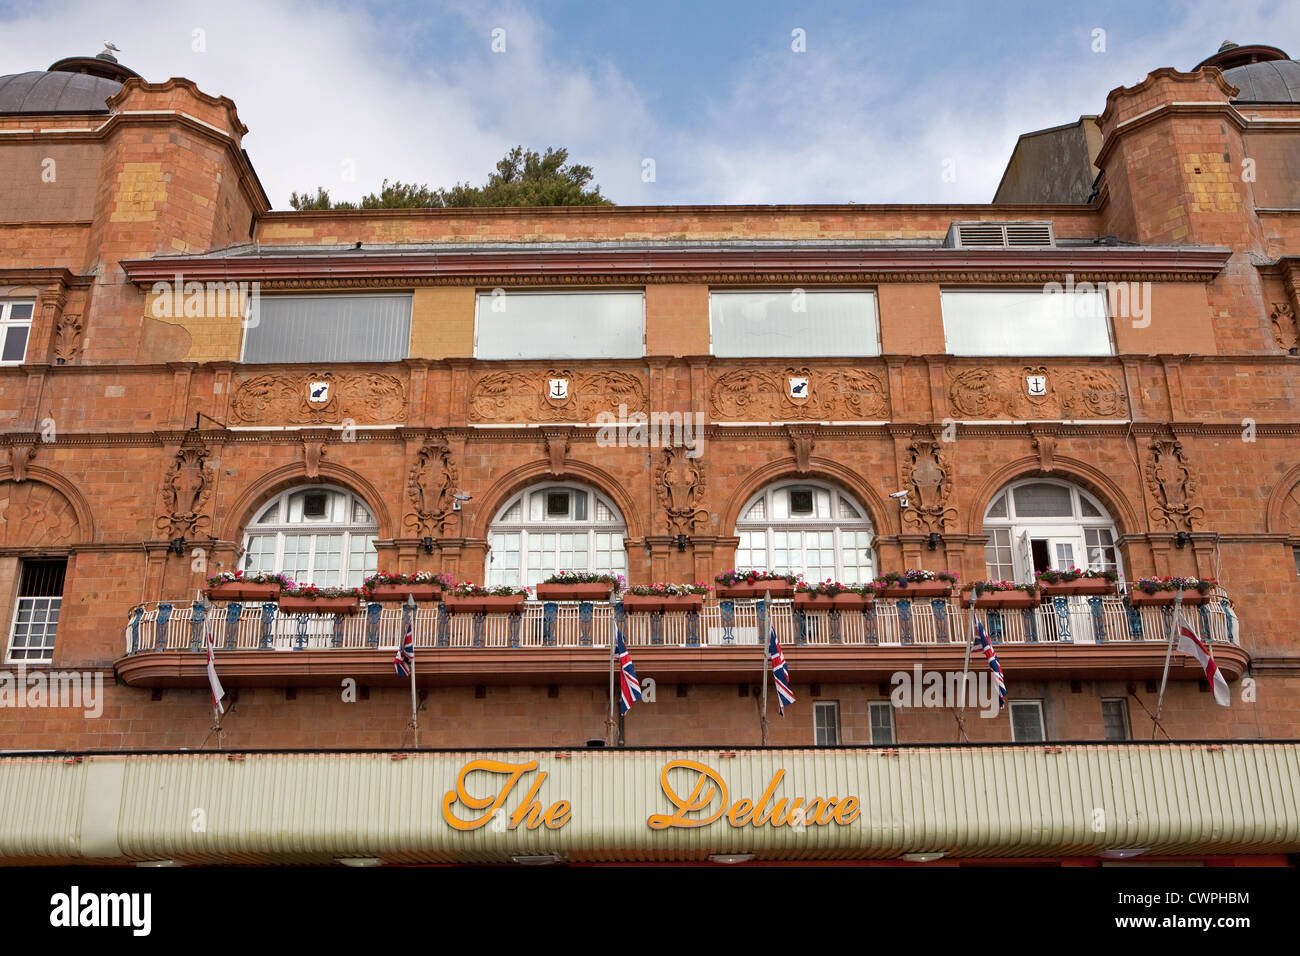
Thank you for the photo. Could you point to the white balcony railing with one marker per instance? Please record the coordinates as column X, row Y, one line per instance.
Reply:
column 183, row 626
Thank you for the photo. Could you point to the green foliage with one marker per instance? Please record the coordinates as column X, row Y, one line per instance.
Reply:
column 522, row 178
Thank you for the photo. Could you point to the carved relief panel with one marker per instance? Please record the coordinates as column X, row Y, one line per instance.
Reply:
column 319, row 398
column 555, row 395
column 798, row 393
column 1036, row 392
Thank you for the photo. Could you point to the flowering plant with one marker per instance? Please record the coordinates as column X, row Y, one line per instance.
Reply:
column 419, row 577
column 587, row 577
column 728, row 578
column 668, row 590
column 244, row 577
column 831, row 588
column 1154, row 585
column 311, row 592
column 470, row 589
column 1056, row 576
column 979, row 587
column 914, row 576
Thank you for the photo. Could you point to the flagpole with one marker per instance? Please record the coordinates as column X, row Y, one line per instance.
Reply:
column 611, row 730
column 1169, row 653
column 415, row 706
column 965, row 669
column 765, row 639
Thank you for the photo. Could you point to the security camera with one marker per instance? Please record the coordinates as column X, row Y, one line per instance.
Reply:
column 902, row 498
column 457, row 498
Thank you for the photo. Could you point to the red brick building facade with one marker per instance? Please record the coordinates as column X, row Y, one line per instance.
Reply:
column 145, row 441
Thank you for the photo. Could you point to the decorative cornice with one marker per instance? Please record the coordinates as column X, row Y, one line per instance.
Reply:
column 709, row 264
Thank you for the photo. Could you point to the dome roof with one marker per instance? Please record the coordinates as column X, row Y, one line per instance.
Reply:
column 75, row 84
column 1274, row 81
column 41, row 92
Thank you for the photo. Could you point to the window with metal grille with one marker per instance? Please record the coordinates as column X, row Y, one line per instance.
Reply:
column 826, row 722
column 15, row 326
column 1114, row 717
column 882, row 721
column 36, row 612
column 329, row 328
column 1027, row 721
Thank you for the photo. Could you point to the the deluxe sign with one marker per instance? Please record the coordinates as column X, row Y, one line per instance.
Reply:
column 704, row 799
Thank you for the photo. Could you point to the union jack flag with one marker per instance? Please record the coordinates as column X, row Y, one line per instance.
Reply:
column 629, row 686
column 780, row 674
column 982, row 642
column 406, row 653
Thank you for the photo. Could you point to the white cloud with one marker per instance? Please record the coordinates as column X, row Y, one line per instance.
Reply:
column 426, row 100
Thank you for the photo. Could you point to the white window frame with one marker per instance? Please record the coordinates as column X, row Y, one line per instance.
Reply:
column 877, row 706
column 53, row 606
column 527, row 526
column 820, row 724
column 1128, row 726
column 873, row 340
column 7, row 323
column 480, row 293
column 1027, row 704
column 968, row 290
column 346, row 530
column 837, row 525
column 1054, row 529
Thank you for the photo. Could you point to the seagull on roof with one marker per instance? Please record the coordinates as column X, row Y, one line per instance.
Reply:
column 109, row 46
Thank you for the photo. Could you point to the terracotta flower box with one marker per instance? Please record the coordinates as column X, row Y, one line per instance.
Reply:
column 1165, row 598
column 810, row 601
column 239, row 591
column 289, row 604
column 918, row 589
column 1007, row 600
column 488, row 604
column 1079, row 587
column 745, row 591
column 662, row 602
column 423, row 593
column 574, row 592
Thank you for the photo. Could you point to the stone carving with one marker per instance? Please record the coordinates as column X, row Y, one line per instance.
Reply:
column 364, row 398
column 557, row 449
column 1045, row 445
column 1170, row 481
column 530, row 397
column 1286, row 332
column 1291, row 511
column 20, row 456
column 67, row 338
column 431, row 487
column 765, row 394
column 680, row 485
column 927, row 477
column 185, row 493
column 34, row 514
column 802, row 440
column 1071, row 393
column 313, row 450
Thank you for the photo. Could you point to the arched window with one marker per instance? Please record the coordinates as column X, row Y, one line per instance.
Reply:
column 316, row 535
column 1037, row 524
column 555, row 527
column 807, row 528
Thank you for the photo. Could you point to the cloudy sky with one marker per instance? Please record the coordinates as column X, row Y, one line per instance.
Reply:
column 882, row 99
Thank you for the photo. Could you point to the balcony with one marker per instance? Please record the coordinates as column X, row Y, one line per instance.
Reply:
column 256, row 644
